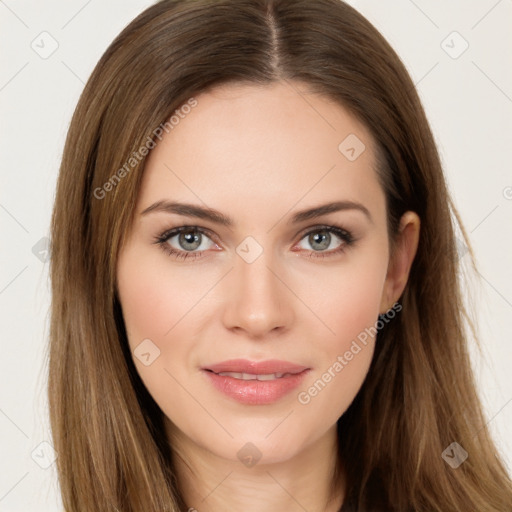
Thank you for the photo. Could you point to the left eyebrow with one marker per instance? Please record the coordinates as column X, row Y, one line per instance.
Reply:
column 191, row 210
column 325, row 209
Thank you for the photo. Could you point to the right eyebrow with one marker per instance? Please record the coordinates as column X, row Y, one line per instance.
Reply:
column 190, row 210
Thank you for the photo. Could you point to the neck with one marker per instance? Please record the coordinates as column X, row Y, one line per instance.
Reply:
column 211, row 483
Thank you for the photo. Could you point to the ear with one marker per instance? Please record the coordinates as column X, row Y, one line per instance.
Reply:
column 401, row 259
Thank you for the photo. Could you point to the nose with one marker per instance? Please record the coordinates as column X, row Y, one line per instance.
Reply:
column 258, row 301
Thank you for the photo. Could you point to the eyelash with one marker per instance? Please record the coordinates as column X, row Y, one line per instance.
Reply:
column 161, row 240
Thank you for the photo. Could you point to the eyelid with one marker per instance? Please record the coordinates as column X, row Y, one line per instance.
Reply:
column 211, row 234
column 320, row 227
column 343, row 234
column 172, row 232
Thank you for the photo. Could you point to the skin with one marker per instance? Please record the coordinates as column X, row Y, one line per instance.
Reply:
column 259, row 154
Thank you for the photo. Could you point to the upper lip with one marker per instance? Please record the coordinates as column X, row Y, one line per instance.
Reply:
column 255, row 367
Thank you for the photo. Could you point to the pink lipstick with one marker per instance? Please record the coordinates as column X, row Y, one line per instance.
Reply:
column 255, row 382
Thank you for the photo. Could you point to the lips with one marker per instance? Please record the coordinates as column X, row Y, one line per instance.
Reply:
column 255, row 382
column 243, row 366
column 250, row 376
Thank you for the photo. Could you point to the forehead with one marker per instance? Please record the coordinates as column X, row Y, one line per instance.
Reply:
column 249, row 147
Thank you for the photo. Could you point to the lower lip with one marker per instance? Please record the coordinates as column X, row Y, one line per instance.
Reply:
column 256, row 392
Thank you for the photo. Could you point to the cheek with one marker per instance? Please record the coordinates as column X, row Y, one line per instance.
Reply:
column 146, row 305
column 347, row 297
column 155, row 298
column 164, row 305
column 156, row 306
column 349, row 306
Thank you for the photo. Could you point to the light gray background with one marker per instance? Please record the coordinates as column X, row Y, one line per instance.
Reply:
column 468, row 100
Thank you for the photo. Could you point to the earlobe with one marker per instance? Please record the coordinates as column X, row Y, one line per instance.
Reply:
column 401, row 259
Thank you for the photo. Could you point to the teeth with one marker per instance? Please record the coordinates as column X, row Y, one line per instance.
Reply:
column 250, row 376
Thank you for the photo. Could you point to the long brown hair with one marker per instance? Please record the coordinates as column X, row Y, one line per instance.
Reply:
column 419, row 396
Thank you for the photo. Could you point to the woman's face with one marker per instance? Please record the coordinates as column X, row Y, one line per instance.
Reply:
column 263, row 272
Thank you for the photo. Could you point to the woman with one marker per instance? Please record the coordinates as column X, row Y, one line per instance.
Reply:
column 256, row 302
